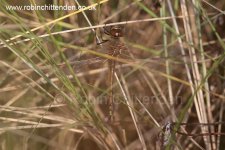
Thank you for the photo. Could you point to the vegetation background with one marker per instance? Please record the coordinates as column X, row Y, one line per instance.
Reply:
column 54, row 87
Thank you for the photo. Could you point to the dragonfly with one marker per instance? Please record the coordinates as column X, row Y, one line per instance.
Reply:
column 168, row 131
column 116, row 48
column 113, row 47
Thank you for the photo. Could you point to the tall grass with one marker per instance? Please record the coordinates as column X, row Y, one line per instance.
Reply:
column 54, row 76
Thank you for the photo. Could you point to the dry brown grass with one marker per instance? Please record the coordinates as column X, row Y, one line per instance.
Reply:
column 53, row 76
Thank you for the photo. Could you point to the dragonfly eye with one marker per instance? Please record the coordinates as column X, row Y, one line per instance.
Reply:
column 116, row 32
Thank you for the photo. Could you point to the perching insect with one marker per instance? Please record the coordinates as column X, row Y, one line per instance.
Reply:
column 114, row 48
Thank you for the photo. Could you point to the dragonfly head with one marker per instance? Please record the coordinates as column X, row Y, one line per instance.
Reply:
column 114, row 31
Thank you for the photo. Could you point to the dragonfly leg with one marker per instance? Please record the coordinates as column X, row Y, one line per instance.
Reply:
column 103, row 40
column 106, row 31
